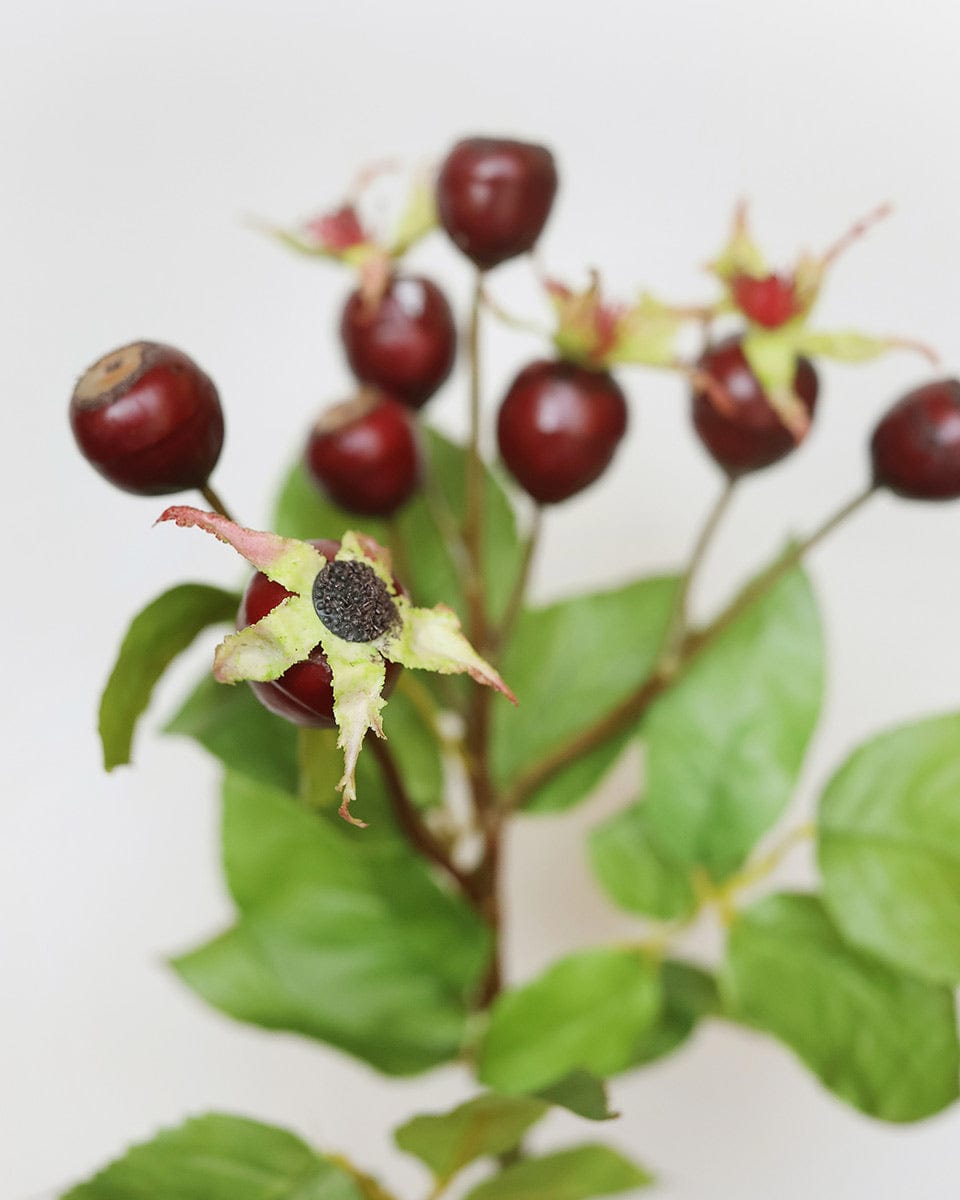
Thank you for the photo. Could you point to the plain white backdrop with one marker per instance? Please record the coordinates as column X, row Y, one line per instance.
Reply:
column 134, row 138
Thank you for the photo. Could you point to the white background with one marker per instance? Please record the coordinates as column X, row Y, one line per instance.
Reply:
column 134, row 138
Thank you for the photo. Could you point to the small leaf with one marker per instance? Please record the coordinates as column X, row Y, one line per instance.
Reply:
column 689, row 995
column 575, row 1174
column 883, row 1042
column 569, row 663
column 487, row 1125
column 164, row 629
column 889, row 848
column 725, row 744
column 587, row 1011
column 581, row 1093
column 218, row 1157
column 342, row 936
column 634, row 873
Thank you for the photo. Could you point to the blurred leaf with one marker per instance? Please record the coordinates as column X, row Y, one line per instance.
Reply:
column 164, row 629
column 218, row 1157
column 587, row 1011
column 726, row 742
column 301, row 511
column 484, row 1126
column 575, row 1174
column 634, row 873
column 569, row 663
column 883, row 1042
column 843, row 345
column 342, row 935
column 889, row 848
column 689, row 995
column 581, row 1093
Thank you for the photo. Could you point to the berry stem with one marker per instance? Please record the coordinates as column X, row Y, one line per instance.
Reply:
column 630, row 710
column 678, row 625
column 213, row 499
column 514, row 606
column 473, row 519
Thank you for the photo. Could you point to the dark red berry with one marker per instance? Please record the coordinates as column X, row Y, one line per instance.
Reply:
column 751, row 435
column 558, row 428
column 494, row 196
column 304, row 693
column 916, row 447
column 770, row 301
column 404, row 341
column 148, row 419
column 363, row 454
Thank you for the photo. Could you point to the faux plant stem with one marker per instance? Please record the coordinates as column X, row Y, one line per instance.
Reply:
column 629, row 711
column 679, row 622
column 517, row 596
column 213, row 499
column 473, row 525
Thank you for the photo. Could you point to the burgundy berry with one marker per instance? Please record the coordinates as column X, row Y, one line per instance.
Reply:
column 494, row 196
column 363, row 454
column 916, row 447
column 558, row 428
column 148, row 419
column 404, row 341
column 750, row 436
column 304, row 693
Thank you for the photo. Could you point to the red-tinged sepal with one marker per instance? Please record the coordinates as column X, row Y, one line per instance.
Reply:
column 772, row 355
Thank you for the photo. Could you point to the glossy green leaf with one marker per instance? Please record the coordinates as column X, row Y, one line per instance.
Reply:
column 487, row 1125
column 220, row 1157
column 689, row 995
column 342, row 934
column 633, row 871
column 232, row 724
column 725, row 744
column 884, row 1042
column 587, row 1011
column 575, row 1174
column 164, row 629
column 580, row 1093
column 889, row 848
column 570, row 663
column 301, row 511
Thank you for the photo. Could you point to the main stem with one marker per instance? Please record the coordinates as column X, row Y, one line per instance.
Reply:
column 473, row 524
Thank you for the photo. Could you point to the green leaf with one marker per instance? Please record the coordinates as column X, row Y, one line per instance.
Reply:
column 484, row 1126
column 889, row 848
column 581, row 1093
column 575, row 1174
column 569, row 663
column 633, row 871
column 342, row 935
column 301, row 511
column 232, row 724
column 725, row 744
column 883, row 1042
column 164, row 629
column 220, row 1157
column 587, row 1011
column 689, row 995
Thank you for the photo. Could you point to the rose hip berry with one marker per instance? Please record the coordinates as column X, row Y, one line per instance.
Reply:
column 403, row 341
column 558, row 427
column 750, row 436
column 363, row 454
column 304, row 693
column 916, row 446
column 494, row 196
column 148, row 419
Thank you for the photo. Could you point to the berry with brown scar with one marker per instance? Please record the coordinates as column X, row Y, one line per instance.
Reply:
column 736, row 423
column 363, row 454
column 148, row 419
column 916, row 447
column 403, row 340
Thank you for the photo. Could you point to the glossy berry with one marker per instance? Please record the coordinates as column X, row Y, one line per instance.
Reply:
column 304, row 693
column 558, row 428
column 770, row 301
column 363, row 454
column 148, row 419
column 494, row 196
column 404, row 341
column 752, row 435
column 916, row 447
